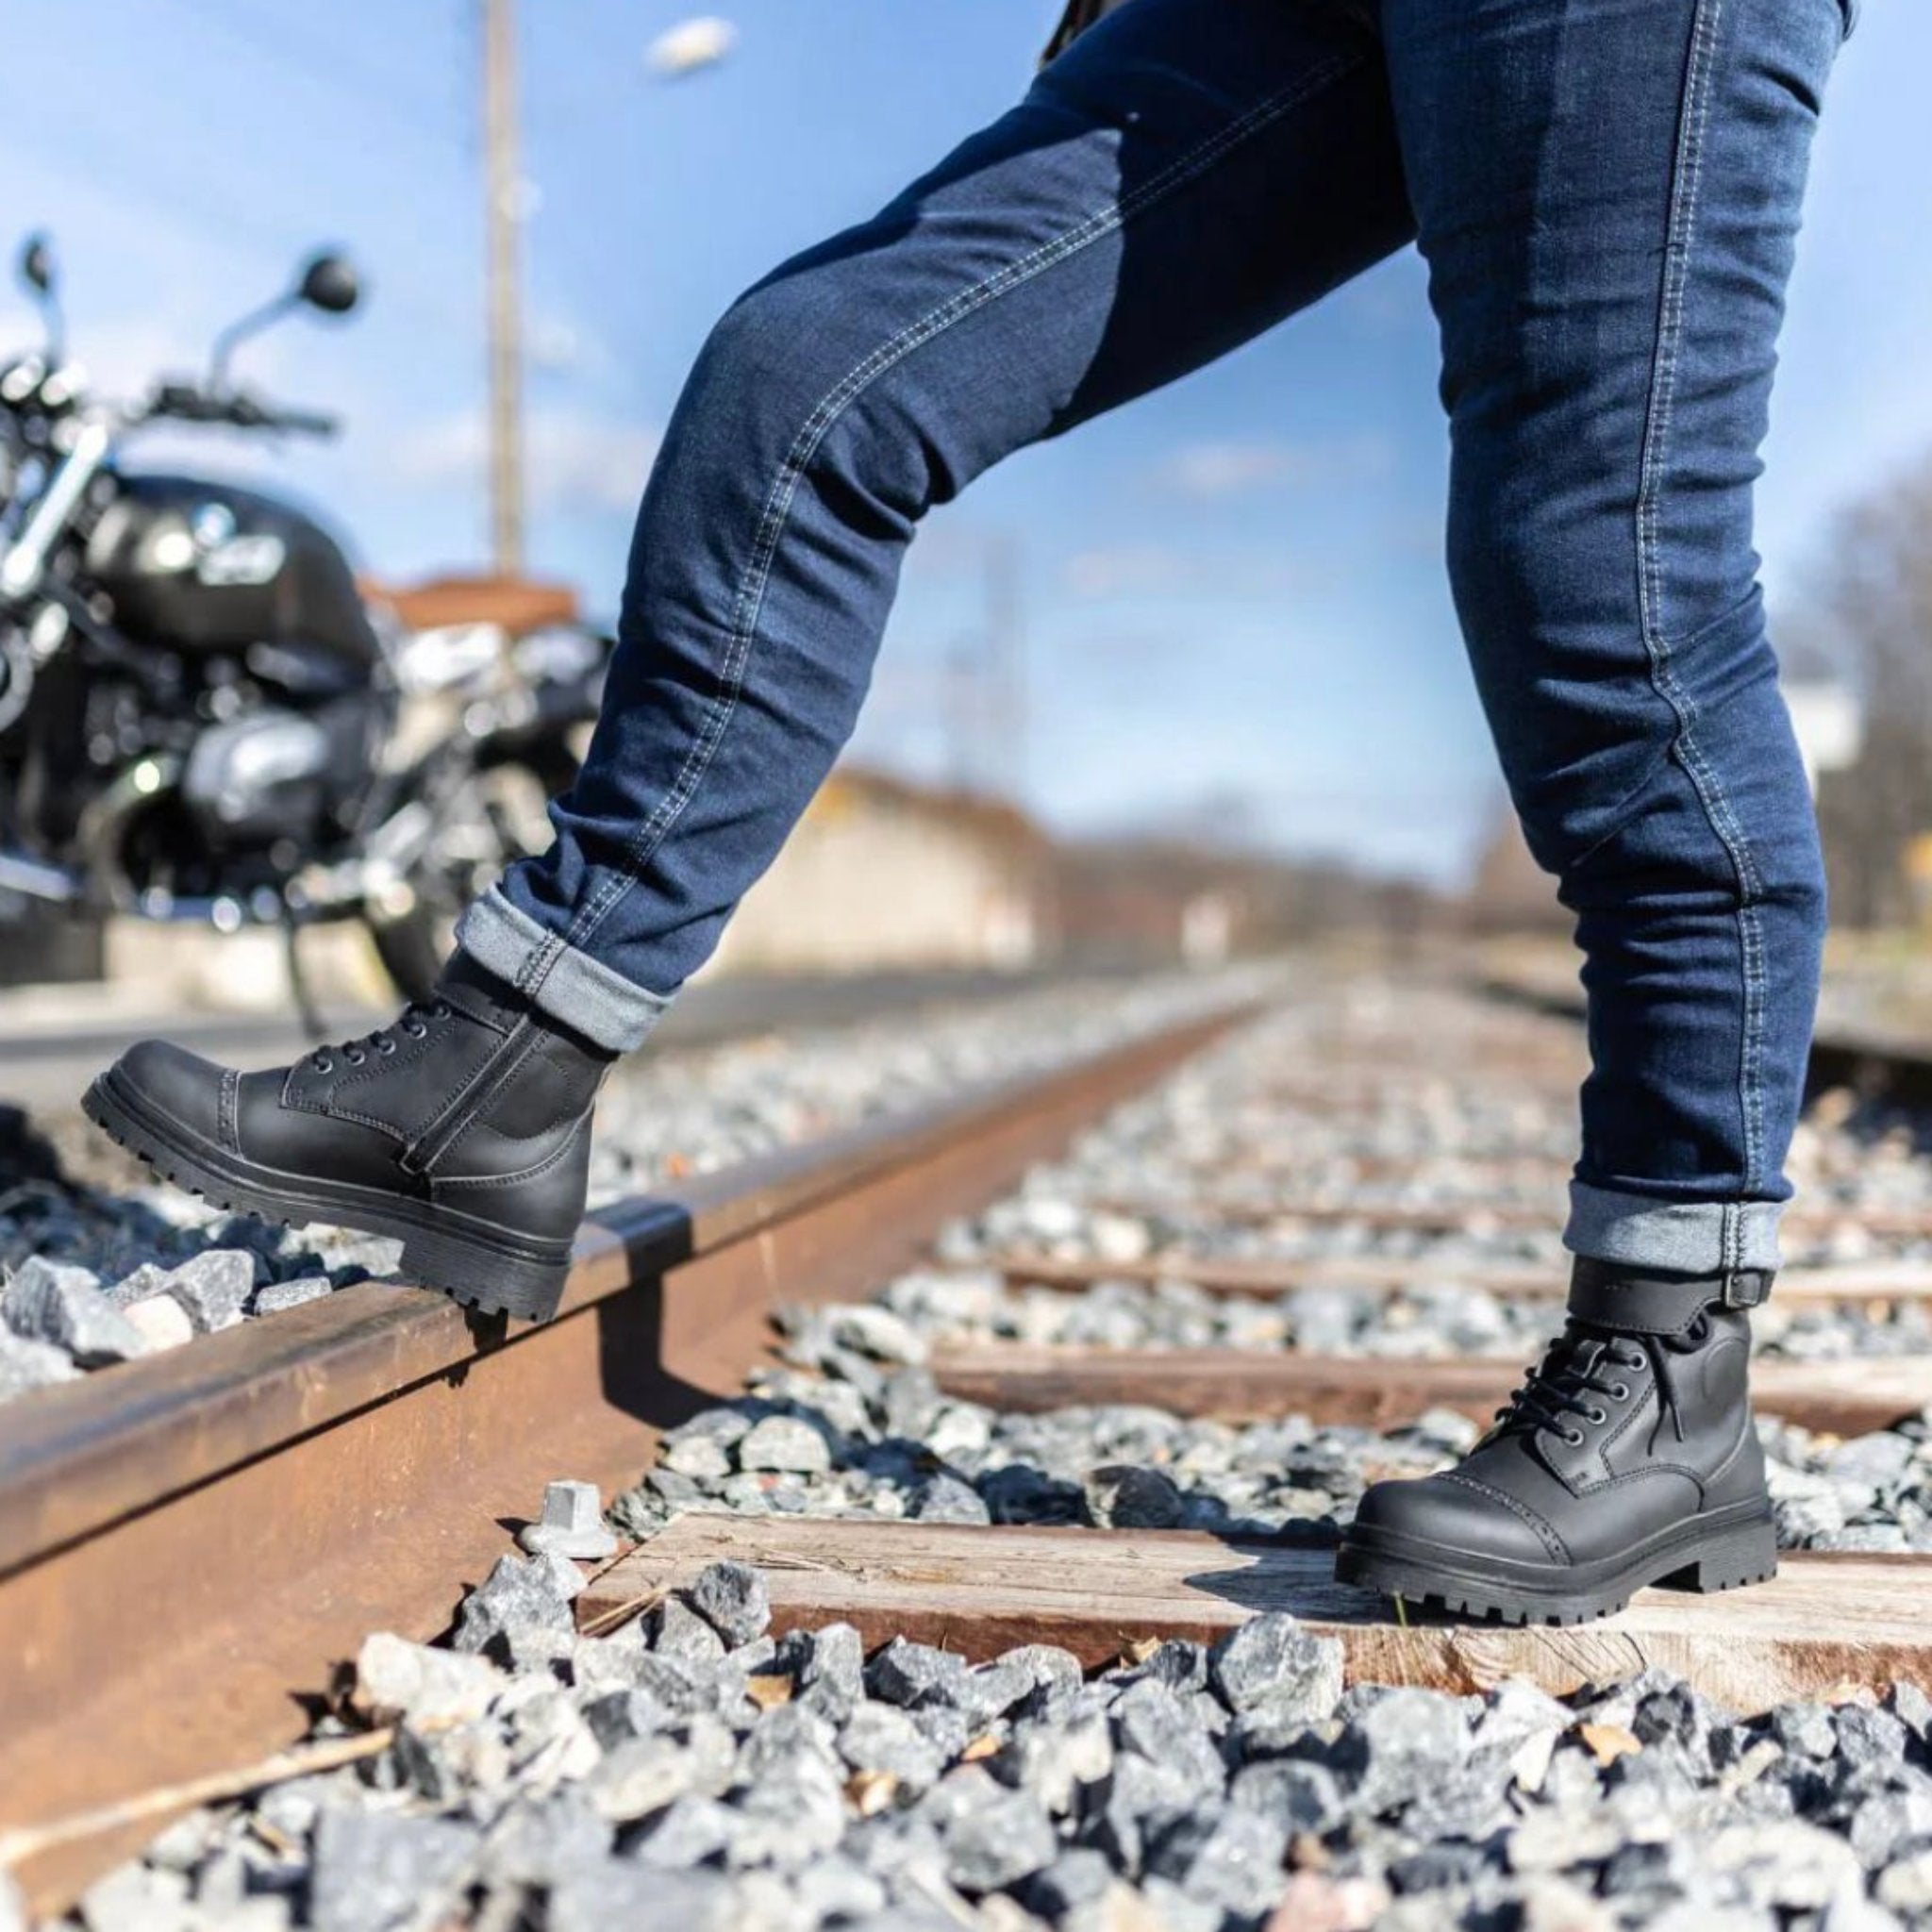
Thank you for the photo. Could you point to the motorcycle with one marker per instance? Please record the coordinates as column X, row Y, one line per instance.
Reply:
column 202, row 715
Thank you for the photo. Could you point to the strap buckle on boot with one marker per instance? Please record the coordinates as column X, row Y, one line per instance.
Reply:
column 1636, row 1302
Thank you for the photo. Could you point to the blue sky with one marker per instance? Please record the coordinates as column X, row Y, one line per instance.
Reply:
column 1233, row 593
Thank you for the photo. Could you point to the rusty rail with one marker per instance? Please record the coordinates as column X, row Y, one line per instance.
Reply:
column 189, row 1545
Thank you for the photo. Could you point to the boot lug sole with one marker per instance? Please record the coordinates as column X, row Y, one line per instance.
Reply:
column 1727, row 1550
column 453, row 1255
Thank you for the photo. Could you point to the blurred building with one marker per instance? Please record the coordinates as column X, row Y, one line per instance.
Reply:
column 1148, row 899
column 1511, row 893
column 884, row 873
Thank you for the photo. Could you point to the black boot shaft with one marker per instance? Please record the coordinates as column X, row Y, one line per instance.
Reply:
column 1628, row 1456
column 462, row 1129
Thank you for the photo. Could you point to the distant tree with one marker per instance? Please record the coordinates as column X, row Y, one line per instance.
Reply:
column 1870, row 618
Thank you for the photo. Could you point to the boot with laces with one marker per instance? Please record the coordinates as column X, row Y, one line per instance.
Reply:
column 461, row 1129
column 1627, row 1458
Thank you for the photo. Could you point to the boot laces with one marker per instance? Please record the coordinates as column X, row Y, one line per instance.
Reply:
column 1583, row 1363
column 414, row 1022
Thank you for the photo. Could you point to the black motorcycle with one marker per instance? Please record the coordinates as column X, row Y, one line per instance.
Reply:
column 202, row 718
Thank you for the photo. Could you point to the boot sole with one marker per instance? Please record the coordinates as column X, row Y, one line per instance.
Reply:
column 467, row 1259
column 1723, row 1550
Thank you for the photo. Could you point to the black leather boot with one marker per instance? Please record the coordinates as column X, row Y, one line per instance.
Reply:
column 463, row 1129
column 1627, row 1458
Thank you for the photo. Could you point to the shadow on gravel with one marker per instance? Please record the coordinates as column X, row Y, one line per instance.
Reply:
column 655, row 1238
column 25, row 1154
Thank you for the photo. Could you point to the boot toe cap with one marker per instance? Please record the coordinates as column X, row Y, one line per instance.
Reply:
column 178, row 1085
column 1451, row 1512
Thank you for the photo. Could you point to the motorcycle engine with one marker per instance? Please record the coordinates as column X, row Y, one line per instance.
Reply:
column 16, row 677
column 258, row 777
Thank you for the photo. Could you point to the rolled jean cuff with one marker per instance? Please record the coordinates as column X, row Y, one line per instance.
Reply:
column 557, row 979
column 1687, row 1237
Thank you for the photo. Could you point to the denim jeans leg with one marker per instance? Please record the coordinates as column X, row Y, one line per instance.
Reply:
column 1186, row 174
column 1608, row 193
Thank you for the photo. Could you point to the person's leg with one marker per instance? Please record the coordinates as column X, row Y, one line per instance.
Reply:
column 1608, row 193
column 1187, row 174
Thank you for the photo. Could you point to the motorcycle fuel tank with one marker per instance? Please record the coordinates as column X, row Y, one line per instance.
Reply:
column 195, row 566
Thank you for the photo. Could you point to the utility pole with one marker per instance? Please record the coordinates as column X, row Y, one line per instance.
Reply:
column 503, row 213
column 1006, row 664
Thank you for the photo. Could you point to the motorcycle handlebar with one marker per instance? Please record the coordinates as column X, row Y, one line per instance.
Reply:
column 238, row 409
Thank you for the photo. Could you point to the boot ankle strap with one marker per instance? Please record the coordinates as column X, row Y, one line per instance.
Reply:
column 1658, row 1304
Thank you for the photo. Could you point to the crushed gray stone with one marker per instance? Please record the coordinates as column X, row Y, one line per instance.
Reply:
column 631, row 1778
column 63, row 1308
column 665, row 1117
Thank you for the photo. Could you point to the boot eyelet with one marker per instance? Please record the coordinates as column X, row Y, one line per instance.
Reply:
column 417, row 1032
column 385, row 1047
column 355, row 1060
column 325, row 1066
column 1574, row 1437
column 1598, row 1415
column 1620, row 1392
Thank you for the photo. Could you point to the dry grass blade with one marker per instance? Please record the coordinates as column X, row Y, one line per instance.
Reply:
column 619, row 1614
column 305, row 1759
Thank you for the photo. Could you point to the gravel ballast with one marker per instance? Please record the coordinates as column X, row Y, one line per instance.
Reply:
column 92, row 1276
column 691, row 1769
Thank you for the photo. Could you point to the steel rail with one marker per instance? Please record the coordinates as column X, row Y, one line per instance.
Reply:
column 189, row 1545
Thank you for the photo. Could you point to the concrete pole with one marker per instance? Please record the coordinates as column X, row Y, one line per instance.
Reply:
column 503, row 190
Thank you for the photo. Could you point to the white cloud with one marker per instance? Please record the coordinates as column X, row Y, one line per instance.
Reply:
column 1123, row 570
column 1153, row 569
column 691, row 46
column 1230, row 467
column 578, row 459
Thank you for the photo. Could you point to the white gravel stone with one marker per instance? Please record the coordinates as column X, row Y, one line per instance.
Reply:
column 25, row 1366
column 784, row 1442
column 431, row 1687
column 160, row 1321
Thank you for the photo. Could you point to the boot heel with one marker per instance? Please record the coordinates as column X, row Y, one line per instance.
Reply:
column 489, row 1281
column 1737, row 1558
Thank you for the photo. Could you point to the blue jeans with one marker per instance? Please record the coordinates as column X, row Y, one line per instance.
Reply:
column 1607, row 193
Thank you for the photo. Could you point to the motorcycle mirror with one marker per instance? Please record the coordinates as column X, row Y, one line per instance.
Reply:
column 40, row 275
column 37, row 263
column 329, row 283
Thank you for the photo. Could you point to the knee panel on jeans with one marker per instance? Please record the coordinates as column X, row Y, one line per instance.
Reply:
column 797, row 383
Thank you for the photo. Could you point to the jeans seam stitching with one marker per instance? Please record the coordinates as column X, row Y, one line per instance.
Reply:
column 824, row 415
column 1680, row 238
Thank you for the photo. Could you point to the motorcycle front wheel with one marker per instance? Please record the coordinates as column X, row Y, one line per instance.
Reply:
column 493, row 817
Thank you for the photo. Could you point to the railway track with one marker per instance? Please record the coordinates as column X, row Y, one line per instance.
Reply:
column 188, row 1546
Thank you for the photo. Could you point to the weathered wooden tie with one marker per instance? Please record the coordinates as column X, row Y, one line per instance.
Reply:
column 1826, row 1625
column 1266, row 1276
column 1846, row 1398
column 1454, row 1213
